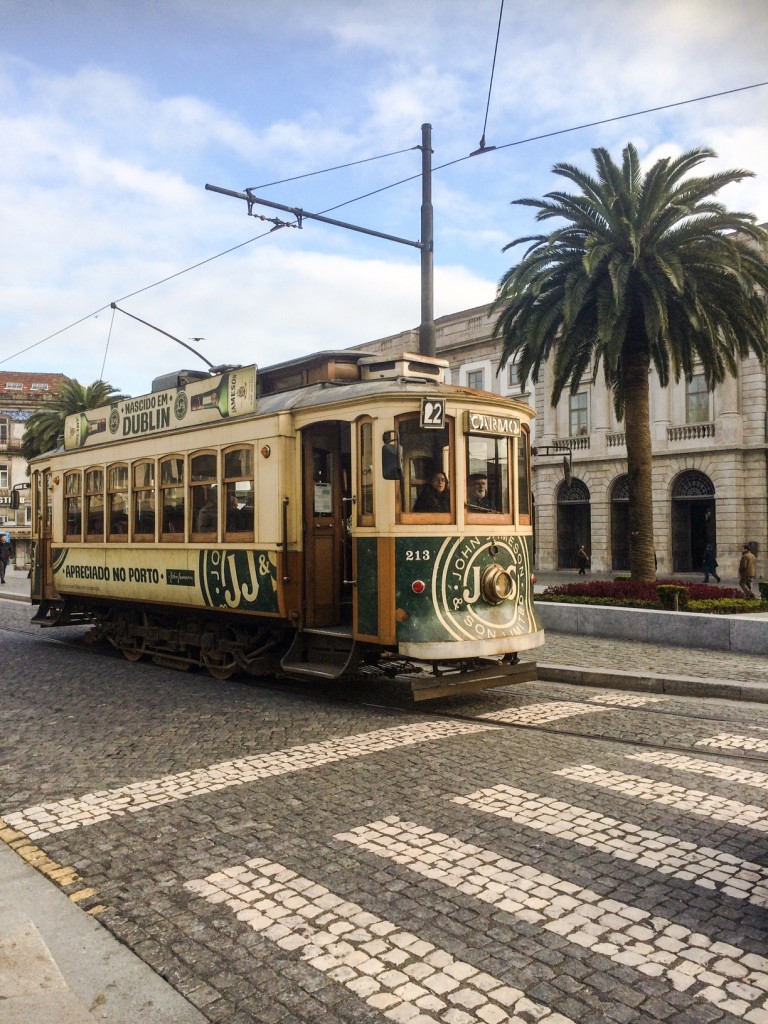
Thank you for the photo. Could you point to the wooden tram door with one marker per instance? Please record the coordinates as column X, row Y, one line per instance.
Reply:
column 326, row 475
column 44, row 511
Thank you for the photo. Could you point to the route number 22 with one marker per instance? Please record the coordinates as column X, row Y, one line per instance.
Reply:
column 433, row 413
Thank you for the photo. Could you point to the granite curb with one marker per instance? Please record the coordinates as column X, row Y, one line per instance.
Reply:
column 652, row 682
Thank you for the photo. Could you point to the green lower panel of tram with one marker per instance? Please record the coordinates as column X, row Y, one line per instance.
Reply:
column 472, row 589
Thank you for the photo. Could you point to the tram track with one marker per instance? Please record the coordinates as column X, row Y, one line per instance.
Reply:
column 400, row 703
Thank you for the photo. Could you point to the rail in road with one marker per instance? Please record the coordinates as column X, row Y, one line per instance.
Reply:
column 540, row 852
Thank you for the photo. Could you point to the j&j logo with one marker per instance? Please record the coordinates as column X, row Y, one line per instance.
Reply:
column 467, row 604
column 239, row 579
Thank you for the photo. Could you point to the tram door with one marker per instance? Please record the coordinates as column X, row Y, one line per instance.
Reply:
column 327, row 517
column 43, row 506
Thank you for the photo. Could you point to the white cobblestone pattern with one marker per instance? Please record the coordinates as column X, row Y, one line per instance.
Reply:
column 394, row 971
column 692, row 801
column 732, row 979
column 626, row 700
column 46, row 819
column 539, row 714
column 683, row 763
column 666, row 854
column 729, row 741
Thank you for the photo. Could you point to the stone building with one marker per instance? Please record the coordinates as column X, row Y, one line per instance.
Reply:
column 710, row 458
column 21, row 394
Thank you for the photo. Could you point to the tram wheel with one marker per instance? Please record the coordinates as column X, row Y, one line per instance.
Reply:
column 219, row 664
column 133, row 647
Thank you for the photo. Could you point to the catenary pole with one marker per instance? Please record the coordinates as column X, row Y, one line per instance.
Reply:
column 427, row 326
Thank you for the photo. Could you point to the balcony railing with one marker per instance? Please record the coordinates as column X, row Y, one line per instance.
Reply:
column 10, row 444
column 691, row 432
column 572, row 443
column 617, row 440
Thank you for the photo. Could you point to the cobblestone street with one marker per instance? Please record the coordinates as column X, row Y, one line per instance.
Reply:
column 537, row 853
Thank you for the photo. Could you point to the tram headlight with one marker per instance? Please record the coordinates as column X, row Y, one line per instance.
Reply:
column 496, row 584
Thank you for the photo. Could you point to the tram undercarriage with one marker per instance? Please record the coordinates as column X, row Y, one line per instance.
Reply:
column 182, row 640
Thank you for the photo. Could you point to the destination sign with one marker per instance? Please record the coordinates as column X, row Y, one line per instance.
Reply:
column 490, row 423
column 205, row 401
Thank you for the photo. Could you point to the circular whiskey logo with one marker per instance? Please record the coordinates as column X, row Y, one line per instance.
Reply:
column 114, row 421
column 181, row 405
column 481, row 587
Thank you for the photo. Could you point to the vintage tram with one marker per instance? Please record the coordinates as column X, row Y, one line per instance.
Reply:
column 284, row 520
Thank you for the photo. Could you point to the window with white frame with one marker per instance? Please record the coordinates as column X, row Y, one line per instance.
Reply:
column 5, row 430
column 3, row 475
column 697, row 400
column 578, row 414
column 477, row 375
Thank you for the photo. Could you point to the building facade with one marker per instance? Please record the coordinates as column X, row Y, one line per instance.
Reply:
column 21, row 395
column 710, row 457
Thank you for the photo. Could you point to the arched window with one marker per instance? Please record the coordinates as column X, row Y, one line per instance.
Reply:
column 117, row 502
column 143, row 498
column 203, row 496
column 172, row 498
column 239, row 493
column 94, row 504
column 73, row 506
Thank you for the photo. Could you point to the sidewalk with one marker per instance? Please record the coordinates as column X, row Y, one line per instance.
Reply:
column 16, row 586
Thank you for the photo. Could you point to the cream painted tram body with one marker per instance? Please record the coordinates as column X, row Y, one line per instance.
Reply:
column 263, row 521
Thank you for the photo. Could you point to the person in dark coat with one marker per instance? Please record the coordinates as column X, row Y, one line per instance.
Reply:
column 709, row 564
column 583, row 559
column 434, row 496
column 5, row 555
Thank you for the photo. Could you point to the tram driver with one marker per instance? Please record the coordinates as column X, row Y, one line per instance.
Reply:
column 477, row 494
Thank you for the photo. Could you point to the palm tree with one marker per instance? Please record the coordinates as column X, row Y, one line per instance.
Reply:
column 45, row 427
column 649, row 271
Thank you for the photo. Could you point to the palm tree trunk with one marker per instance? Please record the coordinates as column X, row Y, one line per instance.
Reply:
column 637, row 423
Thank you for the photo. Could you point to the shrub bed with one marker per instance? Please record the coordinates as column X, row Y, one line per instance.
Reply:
column 658, row 595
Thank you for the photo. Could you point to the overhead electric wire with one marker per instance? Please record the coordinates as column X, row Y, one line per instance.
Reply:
column 146, row 288
column 549, row 135
column 490, row 84
column 394, row 184
column 338, row 167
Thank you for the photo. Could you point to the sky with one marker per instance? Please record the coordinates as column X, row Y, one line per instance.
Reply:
column 115, row 114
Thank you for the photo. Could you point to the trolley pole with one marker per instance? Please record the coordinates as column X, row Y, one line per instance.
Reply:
column 427, row 326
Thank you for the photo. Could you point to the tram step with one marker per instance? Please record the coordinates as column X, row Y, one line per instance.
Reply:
column 323, row 655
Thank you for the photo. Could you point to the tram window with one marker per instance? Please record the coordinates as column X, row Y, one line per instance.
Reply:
column 94, row 504
column 73, row 508
column 144, row 501
column 365, row 473
column 488, row 477
column 425, row 486
column 524, row 478
column 204, row 494
column 238, row 489
column 172, row 498
column 117, row 501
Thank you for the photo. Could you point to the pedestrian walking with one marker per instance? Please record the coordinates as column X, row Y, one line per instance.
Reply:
column 5, row 554
column 583, row 559
column 709, row 564
column 747, row 571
